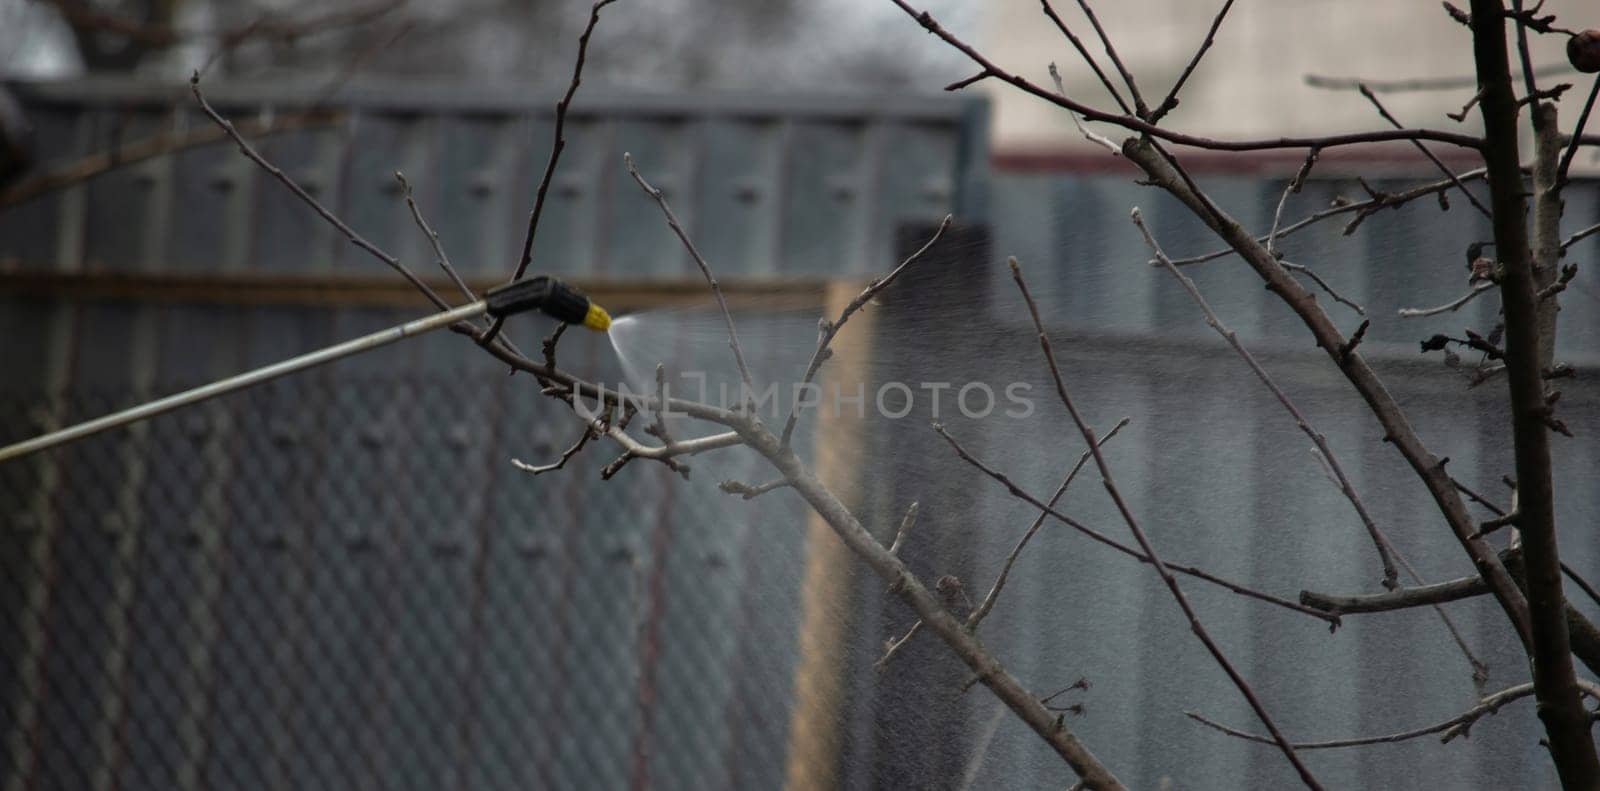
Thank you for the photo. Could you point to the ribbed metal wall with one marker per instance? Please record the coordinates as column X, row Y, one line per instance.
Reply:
column 408, row 611
column 338, row 580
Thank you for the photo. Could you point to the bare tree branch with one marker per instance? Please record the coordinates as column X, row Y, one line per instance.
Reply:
column 442, row 259
column 906, row 523
column 1373, row 204
column 1171, row 101
column 566, row 455
column 893, row 647
column 1400, row 599
column 1451, row 728
column 1386, row 550
column 1529, row 80
column 1420, row 146
column 1141, row 126
column 987, row 604
column 1465, row 81
column 1139, row 107
column 633, row 449
column 1579, row 236
column 1083, row 51
column 705, row 270
column 1133, row 552
column 559, row 143
column 1323, row 284
column 1093, row 137
column 305, row 197
column 1577, row 132
column 1398, row 430
column 749, row 492
column 935, row 617
column 1171, row 581
column 1294, row 186
column 1380, row 542
column 828, row 329
column 1448, row 307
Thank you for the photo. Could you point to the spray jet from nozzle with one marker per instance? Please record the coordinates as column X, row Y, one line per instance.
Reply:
column 549, row 295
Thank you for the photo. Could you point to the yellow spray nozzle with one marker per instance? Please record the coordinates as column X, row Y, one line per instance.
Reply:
column 597, row 318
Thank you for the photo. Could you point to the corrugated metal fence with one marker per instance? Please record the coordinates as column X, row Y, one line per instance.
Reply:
column 337, row 580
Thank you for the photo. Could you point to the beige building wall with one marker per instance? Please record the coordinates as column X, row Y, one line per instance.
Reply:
column 1253, row 81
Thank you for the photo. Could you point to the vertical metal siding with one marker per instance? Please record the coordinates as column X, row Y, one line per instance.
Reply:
column 392, row 605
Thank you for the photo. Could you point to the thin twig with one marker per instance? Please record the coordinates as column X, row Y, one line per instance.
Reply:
column 1083, row 51
column 455, row 277
column 1093, row 137
column 705, row 270
column 1167, row 577
column 1577, row 132
column 1412, row 85
column 1579, row 236
column 658, row 428
column 829, row 329
column 893, row 647
column 1454, row 179
column 1141, row 126
column 749, row 492
column 1323, row 284
column 1398, row 599
column 1172, row 96
column 933, row 610
column 1582, row 583
column 1132, row 552
column 989, row 598
column 559, row 144
column 1294, row 186
column 548, row 345
column 1451, row 728
column 1139, row 107
column 1455, row 304
column 969, row 81
column 1379, row 541
column 300, row 192
column 666, row 453
column 980, row 749
column 1489, row 526
column 1394, row 200
column 566, row 455
column 1460, row 117
column 906, row 523
column 433, row 238
column 1528, row 79
column 1478, row 498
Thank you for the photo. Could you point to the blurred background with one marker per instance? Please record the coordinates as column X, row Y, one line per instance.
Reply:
column 339, row 580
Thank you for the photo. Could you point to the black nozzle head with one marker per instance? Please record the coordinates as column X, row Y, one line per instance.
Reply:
column 554, row 297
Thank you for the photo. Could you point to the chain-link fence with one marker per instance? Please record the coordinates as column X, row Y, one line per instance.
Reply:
column 336, row 582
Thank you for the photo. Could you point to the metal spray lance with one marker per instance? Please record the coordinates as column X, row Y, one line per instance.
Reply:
column 547, row 294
